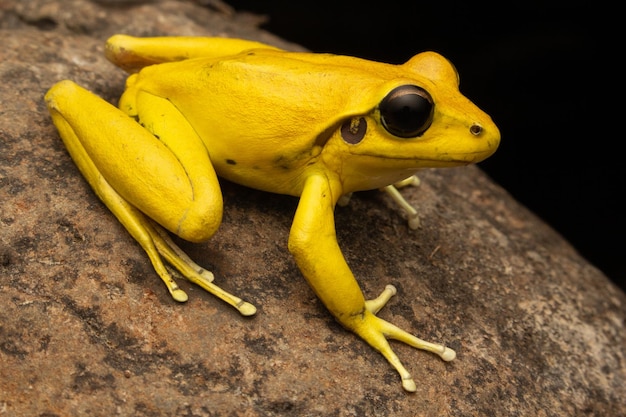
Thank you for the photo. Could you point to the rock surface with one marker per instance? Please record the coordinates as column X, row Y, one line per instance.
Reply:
column 87, row 328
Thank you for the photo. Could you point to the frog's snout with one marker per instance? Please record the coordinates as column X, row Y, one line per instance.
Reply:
column 489, row 135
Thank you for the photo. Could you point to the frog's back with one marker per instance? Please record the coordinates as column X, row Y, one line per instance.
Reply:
column 264, row 113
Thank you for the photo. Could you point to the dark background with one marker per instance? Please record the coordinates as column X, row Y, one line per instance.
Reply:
column 547, row 75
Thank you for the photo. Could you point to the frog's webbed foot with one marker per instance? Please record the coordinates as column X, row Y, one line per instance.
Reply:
column 411, row 212
column 392, row 190
column 376, row 331
column 190, row 270
column 159, row 246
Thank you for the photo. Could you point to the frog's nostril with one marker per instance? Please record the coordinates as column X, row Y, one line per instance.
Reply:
column 476, row 129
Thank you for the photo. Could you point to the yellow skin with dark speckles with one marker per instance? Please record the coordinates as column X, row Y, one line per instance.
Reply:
column 317, row 126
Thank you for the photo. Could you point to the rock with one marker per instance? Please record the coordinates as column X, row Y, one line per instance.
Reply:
column 87, row 328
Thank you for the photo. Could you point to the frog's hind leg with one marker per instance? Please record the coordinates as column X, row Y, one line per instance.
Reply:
column 133, row 173
column 132, row 53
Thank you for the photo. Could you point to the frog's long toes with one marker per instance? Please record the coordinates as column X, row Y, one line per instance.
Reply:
column 379, row 302
column 208, row 275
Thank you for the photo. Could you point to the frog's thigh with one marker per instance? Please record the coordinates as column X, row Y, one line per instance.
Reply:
column 175, row 185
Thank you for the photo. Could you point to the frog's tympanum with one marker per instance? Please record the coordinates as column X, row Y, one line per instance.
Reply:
column 315, row 126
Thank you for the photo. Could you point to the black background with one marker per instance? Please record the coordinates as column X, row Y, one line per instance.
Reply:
column 546, row 73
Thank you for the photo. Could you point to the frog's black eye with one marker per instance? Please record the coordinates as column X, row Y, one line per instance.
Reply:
column 407, row 111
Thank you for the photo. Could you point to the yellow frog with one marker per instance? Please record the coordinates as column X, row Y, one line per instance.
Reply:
column 317, row 126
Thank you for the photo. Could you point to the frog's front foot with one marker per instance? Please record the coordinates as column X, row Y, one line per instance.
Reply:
column 411, row 212
column 392, row 190
column 376, row 331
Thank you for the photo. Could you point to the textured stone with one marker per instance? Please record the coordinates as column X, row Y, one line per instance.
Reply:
column 87, row 328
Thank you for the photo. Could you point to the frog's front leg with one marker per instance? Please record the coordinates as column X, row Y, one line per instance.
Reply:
column 314, row 246
column 146, row 182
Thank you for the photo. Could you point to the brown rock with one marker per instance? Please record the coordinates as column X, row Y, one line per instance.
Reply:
column 87, row 328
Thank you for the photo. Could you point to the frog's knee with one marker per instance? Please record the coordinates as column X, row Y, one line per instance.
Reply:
column 59, row 90
column 196, row 232
column 200, row 221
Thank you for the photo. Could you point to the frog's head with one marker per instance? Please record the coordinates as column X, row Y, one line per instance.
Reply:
column 417, row 119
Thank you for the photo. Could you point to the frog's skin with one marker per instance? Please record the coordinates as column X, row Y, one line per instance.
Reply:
column 317, row 126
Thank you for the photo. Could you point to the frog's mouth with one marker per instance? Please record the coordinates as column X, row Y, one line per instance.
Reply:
column 442, row 160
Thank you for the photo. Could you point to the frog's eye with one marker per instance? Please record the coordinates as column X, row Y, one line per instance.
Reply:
column 407, row 111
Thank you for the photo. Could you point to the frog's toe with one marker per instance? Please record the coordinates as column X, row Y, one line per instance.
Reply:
column 245, row 308
column 414, row 221
column 179, row 295
column 175, row 291
column 448, row 354
column 409, row 385
column 394, row 332
column 412, row 181
column 379, row 302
